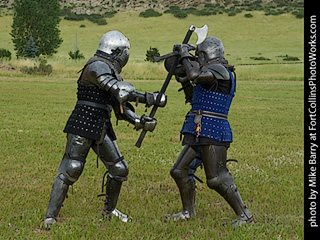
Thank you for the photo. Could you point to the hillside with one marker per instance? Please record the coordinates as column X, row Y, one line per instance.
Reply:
column 103, row 6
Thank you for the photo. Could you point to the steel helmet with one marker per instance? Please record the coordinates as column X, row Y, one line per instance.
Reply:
column 115, row 44
column 210, row 49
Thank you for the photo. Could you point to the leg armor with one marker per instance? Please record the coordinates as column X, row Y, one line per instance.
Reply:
column 186, row 186
column 110, row 155
column 69, row 171
column 220, row 179
column 195, row 163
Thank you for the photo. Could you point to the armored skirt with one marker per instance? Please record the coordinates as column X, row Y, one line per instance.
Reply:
column 91, row 115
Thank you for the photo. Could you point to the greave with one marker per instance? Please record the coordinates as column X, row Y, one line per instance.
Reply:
column 188, row 195
column 112, row 194
column 58, row 194
column 232, row 196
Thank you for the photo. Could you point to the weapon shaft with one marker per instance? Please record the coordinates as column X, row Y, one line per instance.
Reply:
column 158, row 59
column 174, row 53
column 164, row 86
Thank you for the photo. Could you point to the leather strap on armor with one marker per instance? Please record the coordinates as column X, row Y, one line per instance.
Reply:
column 92, row 104
column 207, row 114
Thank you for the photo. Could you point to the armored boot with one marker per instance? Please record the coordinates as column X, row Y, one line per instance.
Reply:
column 58, row 194
column 112, row 194
column 184, row 215
column 188, row 195
column 225, row 187
column 234, row 199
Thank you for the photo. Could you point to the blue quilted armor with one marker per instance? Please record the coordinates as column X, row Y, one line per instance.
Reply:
column 208, row 116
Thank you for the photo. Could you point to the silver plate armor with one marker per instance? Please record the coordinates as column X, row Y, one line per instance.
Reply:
column 117, row 45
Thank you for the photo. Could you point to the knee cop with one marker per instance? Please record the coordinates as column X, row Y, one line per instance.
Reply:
column 119, row 170
column 74, row 158
column 175, row 173
column 70, row 170
column 221, row 183
column 181, row 167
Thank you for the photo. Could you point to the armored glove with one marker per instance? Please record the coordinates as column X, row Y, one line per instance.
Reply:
column 151, row 99
column 183, row 50
column 179, row 71
column 182, row 80
column 146, row 123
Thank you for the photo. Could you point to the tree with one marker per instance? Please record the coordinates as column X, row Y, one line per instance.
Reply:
column 151, row 54
column 38, row 19
column 76, row 54
column 30, row 49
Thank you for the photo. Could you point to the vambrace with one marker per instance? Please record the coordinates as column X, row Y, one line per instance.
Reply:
column 188, row 90
column 195, row 73
column 187, row 87
column 148, row 98
column 128, row 115
column 140, row 122
column 125, row 92
column 192, row 68
column 107, row 81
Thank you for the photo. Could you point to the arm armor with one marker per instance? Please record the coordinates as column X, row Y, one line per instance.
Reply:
column 144, row 122
column 103, row 73
column 219, row 71
column 196, row 74
column 123, row 91
column 187, row 87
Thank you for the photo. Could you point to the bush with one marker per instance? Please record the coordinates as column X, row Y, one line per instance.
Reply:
column 177, row 12
column 76, row 55
column 110, row 14
column 96, row 18
column 290, row 58
column 151, row 54
column 260, row 58
column 74, row 17
column 298, row 13
column 150, row 13
column 42, row 69
column 4, row 53
column 248, row 15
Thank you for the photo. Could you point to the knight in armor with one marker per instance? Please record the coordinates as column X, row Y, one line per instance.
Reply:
column 209, row 85
column 100, row 90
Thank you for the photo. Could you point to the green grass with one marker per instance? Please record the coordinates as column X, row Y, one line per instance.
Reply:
column 266, row 118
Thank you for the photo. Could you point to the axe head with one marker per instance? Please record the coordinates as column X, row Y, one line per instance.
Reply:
column 201, row 33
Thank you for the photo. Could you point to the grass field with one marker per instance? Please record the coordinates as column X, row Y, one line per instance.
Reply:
column 266, row 118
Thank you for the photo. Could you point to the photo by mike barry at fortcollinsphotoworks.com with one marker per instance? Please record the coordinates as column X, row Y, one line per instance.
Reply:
column 311, row 138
